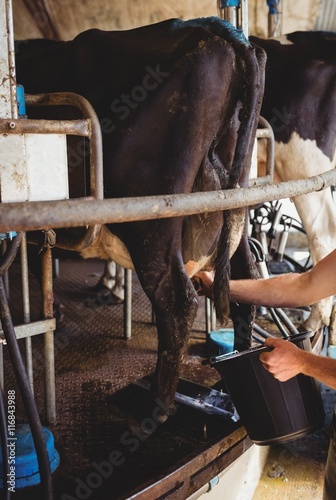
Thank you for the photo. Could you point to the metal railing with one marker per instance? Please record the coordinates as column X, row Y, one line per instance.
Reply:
column 36, row 215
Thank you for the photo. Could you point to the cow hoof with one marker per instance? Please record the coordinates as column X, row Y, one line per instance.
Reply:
column 59, row 312
column 98, row 289
column 162, row 415
column 100, row 295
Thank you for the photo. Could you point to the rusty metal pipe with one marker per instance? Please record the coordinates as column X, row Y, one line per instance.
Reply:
column 68, row 127
column 30, row 216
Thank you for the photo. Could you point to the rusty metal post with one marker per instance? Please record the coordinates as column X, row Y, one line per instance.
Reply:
column 49, row 359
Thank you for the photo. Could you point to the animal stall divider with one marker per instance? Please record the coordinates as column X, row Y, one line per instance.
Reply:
column 29, row 216
column 87, row 127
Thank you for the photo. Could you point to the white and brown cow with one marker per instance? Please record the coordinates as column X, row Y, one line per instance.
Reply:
column 300, row 104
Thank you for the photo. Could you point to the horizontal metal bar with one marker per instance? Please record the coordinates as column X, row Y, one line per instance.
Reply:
column 68, row 127
column 63, row 99
column 257, row 181
column 27, row 216
column 30, row 329
column 264, row 133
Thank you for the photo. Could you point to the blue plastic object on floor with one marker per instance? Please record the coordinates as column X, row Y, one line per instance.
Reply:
column 332, row 351
column 26, row 464
column 221, row 341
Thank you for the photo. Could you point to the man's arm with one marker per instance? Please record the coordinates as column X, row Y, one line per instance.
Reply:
column 290, row 289
column 286, row 360
column 285, row 290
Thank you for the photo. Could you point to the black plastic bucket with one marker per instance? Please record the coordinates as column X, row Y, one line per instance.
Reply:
column 271, row 411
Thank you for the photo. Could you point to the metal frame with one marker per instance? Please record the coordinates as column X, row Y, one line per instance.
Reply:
column 34, row 215
column 88, row 127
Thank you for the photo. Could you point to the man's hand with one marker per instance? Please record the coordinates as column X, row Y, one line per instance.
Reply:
column 204, row 281
column 285, row 361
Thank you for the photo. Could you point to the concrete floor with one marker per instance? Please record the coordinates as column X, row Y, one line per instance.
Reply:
column 295, row 470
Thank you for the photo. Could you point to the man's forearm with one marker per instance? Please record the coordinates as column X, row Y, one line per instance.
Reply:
column 280, row 291
column 321, row 368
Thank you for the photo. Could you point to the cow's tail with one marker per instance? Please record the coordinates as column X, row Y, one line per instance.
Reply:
column 251, row 63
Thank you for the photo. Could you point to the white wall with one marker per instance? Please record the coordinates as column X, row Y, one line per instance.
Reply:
column 73, row 16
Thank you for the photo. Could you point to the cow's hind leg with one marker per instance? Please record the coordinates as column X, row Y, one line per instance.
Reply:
column 173, row 330
column 175, row 306
column 242, row 315
column 163, row 277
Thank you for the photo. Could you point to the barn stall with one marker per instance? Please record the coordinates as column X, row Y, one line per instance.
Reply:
column 100, row 385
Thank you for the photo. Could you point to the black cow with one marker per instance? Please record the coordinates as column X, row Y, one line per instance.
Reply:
column 300, row 104
column 178, row 104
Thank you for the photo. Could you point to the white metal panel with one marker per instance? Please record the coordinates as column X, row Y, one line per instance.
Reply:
column 33, row 167
column 13, row 173
column 47, row 172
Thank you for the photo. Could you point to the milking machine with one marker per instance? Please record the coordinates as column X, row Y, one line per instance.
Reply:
column 271, row 227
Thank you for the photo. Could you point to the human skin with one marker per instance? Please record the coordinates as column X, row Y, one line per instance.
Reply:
column 286, row 360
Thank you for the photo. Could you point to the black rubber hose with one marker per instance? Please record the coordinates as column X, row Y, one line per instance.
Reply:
column 287, row 321
column 261, row 331
column 278, row 323
column 5, row 262
column 9, row 255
